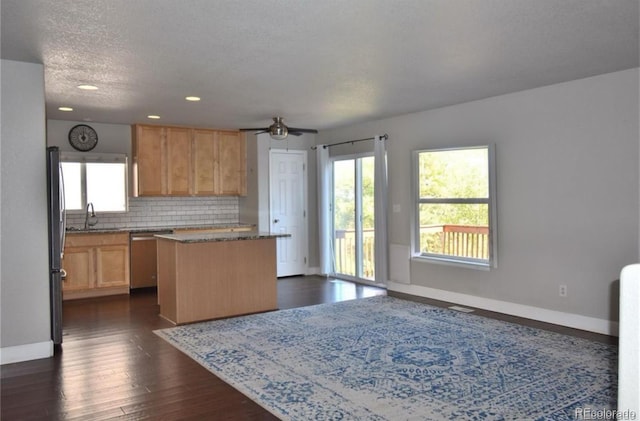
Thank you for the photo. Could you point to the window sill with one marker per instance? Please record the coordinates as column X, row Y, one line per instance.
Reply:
column 451, row 262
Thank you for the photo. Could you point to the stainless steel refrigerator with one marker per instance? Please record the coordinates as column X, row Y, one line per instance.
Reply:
column 57, row 226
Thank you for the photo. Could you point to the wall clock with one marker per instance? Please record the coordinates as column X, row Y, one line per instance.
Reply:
column 83, row 138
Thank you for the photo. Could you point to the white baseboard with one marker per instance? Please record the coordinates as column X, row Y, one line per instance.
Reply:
column 28, row 352
column 571, row 320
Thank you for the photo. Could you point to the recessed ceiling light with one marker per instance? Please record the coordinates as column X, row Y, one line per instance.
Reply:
column 65, row 108
column 193, row 98
column 88, row 87
column 153, row 117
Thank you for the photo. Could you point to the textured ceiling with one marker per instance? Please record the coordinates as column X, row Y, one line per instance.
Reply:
column 320, row 64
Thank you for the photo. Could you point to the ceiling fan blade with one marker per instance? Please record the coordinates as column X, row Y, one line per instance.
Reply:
column 296, row 129
column 261, row 129
column 295, row 133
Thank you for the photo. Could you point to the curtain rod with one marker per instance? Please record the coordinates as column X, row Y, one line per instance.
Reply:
column 385, row 136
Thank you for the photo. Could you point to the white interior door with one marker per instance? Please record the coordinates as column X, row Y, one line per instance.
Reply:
column 288, row 209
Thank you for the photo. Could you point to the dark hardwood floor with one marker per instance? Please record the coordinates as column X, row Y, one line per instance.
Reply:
column 111, row 364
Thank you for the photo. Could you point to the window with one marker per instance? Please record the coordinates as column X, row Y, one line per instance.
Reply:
column 100, row 179
column 455, row 206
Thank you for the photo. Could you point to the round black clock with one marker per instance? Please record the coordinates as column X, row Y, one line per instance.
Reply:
column 83, row 138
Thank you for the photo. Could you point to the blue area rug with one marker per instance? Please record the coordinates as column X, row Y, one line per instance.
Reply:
column 383, row 358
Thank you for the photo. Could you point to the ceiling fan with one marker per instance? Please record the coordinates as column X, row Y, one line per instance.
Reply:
column 279, row 131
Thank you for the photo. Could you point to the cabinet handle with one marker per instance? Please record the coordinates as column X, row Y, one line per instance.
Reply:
column 275, row 221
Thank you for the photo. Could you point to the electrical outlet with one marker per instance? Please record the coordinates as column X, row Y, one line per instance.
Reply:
column 563, row 290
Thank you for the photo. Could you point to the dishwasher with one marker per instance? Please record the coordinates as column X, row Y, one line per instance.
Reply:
column 143, row 258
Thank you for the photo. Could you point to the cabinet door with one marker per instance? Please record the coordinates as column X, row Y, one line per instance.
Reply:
column 149, row 160
column 112, row 266
column 204, row 153
column 231, row 161
column 78, row 262
column 179, row 161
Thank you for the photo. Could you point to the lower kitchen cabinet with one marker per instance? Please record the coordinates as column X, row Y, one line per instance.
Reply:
column 143, row 261
column 96, row 264
column 78, row 262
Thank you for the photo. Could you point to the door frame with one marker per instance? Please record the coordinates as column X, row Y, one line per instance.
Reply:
column 305, row 195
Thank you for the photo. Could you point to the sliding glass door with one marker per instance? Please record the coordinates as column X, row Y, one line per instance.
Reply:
column 353, row 217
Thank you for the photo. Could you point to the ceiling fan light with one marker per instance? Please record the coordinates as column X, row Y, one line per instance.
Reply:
column 279, row 133
column 278, row 130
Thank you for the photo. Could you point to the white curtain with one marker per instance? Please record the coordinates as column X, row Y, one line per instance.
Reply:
column 380, row 208
column 324, row 209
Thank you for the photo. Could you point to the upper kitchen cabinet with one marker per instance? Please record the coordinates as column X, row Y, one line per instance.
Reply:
column 205, row 152
column 219, row 161
column 185, row 161
column 179, row 168
column 232, row 163
column 149, row 160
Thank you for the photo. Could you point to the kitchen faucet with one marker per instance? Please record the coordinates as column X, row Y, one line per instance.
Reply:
column 94, row 219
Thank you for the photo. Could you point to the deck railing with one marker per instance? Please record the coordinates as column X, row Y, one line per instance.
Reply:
column 451, row 240
column 345, row 250
column 456, row 240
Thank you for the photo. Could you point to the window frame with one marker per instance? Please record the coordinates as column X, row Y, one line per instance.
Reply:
column 106, row 158
column 460, row 261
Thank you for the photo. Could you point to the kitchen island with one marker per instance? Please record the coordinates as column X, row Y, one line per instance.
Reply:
column 203, row 276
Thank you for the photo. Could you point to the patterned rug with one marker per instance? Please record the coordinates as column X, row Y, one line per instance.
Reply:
column 383, row 358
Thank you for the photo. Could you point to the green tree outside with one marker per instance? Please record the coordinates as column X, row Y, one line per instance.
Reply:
column 454, row 174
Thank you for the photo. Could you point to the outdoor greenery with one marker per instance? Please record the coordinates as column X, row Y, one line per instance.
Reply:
column 344, row 193
column 453, row 174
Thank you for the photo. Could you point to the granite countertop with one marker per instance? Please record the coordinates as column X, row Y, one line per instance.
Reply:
column 205, row 237
column 94, row 230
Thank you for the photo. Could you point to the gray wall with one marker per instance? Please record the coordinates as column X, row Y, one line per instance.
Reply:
column 567, row 190
column 24, row 273
column 112, row 138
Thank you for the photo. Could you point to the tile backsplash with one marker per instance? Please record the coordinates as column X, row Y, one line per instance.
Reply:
column 166, row 212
